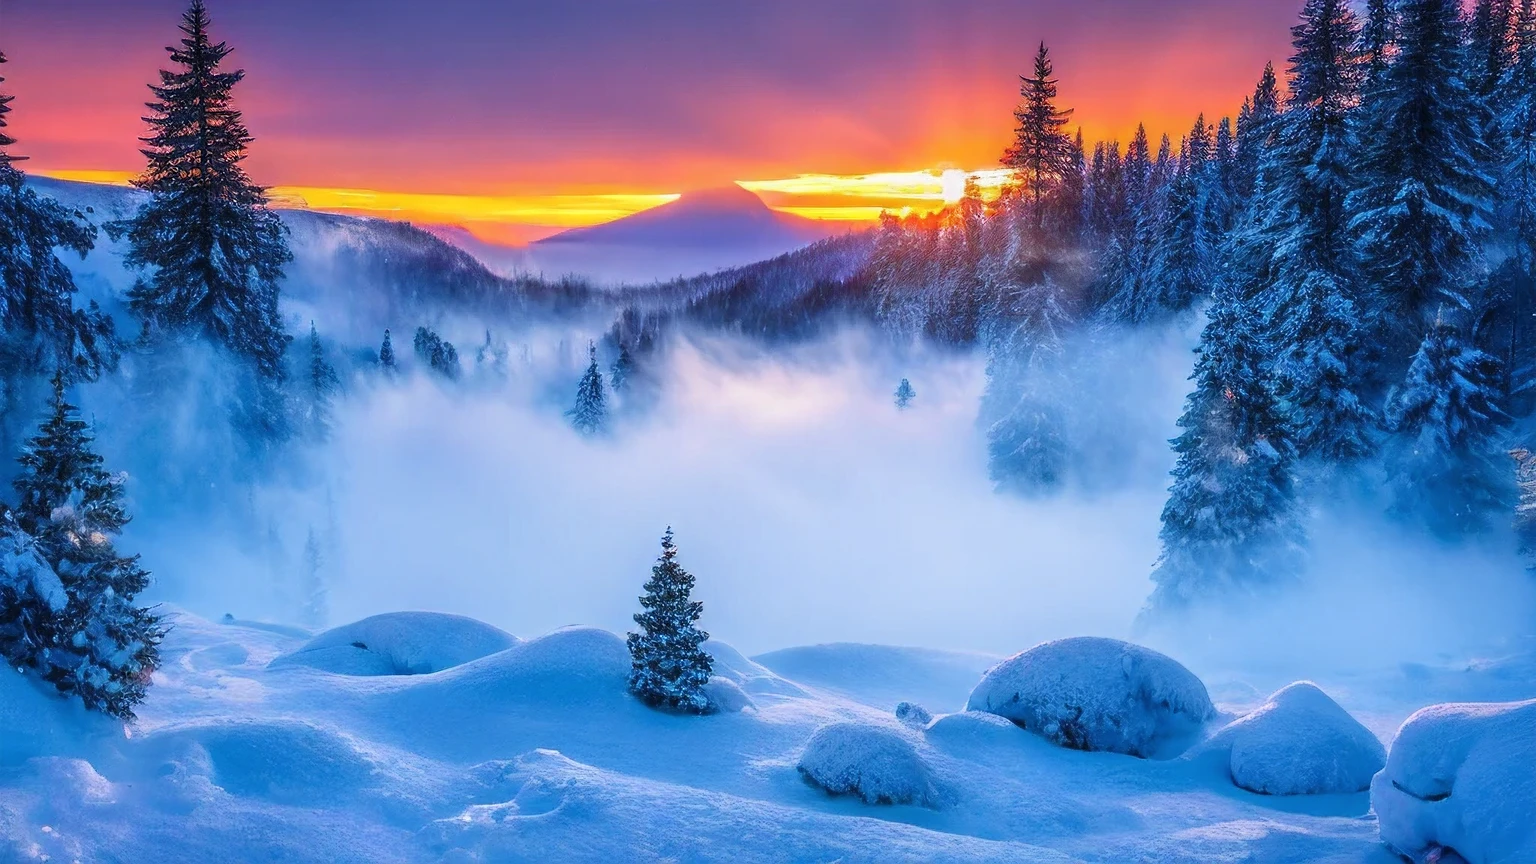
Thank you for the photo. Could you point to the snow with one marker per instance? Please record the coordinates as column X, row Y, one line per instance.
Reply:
column 1091, row 693
column 27, row 573
column 538, row 752
column 883, row 674
column 875, row 763
column 400, row 643
column 1462, row 777
column 1299, row 742
column 726, row 696
column 913, row 715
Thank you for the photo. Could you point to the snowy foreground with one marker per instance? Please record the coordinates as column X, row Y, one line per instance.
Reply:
column 422, row 737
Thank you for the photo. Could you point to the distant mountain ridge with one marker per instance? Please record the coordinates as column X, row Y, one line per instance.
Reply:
column 728, row 215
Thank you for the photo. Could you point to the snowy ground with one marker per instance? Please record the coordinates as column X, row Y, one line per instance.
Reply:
column 535, row 752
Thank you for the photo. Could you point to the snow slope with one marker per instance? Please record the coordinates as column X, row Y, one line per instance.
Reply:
column 537, row 752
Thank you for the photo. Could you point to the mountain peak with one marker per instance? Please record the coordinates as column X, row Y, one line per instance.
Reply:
column 732, row 198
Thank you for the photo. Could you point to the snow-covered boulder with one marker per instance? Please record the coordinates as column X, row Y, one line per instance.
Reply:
column 399, row 643
column 726, row 696
column 1300, row 742
column 875, row 763
column 913, row 714
column 1462, row 777
column 1089, row 693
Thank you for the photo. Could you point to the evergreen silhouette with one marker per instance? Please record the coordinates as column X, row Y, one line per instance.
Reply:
column 905, row 394
column 322, row 384
column 439, row 354
column 668, row 669
column 387, row 355
column 1042, row 153
column 590, row 415
column 215, row 251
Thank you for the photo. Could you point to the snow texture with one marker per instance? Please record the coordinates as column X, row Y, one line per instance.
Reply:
column 400, row 643
column 1090, row 693
column 726, row 696
column 1462, row 777
column 1299, row 742
column 875, row 763
column 25, row 571
column 913, row 715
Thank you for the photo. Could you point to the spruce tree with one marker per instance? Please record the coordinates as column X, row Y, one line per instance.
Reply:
column 1378, row 41
column 1313, row 323
column 387, row 356
column 1422, row 207
column 1514, row 284
column 40, row 327
column 1042, row 153
column 590, row 416
column 1023, row 406
column 322, row 384
column 1447, row 469
column 905, row 394
column 621, row 370
column 1184, row 248
column 438, row 353
column 102, row 646
column 668, row 668
column 1231, row 524
column 215, row 250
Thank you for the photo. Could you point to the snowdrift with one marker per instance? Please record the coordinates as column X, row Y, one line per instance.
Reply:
column 1089, row 693
column 883, row 675
column 874, row 763
column 399, row 643
column 1462, row 777
column 1299, row 742
column 36, row 720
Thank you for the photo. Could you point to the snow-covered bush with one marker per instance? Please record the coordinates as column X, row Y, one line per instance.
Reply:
column 1300, row 742
column 913, row 715
column 1089, row 693
column 399, row 643
column 873, row 762
column 1462, row 777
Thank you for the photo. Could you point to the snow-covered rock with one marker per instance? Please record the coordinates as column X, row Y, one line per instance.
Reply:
column 399, row 643
column 1299, row 742
column 1089, row 693
column 875, row 763
column 913, row 715
column 1462, row 777
column 726, row 696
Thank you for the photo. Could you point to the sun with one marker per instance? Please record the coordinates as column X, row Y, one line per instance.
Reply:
column 952, row 183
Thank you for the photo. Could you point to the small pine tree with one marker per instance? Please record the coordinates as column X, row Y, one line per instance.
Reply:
column 668, row 669
column 621, row 370
column 387, row 356
column 438, row 353
column 323, row 383
column 316, row 608
column 1231, row 523
column 590, row 416
column 214, row 250
column 102, row 646
column 1447, row 470
column 905, row 394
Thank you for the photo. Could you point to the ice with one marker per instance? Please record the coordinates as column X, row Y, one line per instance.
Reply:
column 1462, row 777
column 1299, row 742
column 875, row 763
column 1090, row 693
column 400, row 643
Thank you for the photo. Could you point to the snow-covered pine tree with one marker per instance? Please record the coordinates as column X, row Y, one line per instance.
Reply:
column 1447, row 469
column 1378, row 42
column 1231, row 524
column 1022, row 407
column 215, row 251
column 1422, row 205
column 621, row 370
column 1514, row 283
column 1312, row 323
column 590, row 415
column 102, row 646
column 387, row 356
column 1255, row 132
column 1184, row 250
column 905, row 394
column 321, row 391
column 40, row 328
column 1042, row 153
column 438, row 353
column 316, row 603
column 668, row 669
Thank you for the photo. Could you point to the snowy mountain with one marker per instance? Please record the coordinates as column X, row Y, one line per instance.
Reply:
column 700, row 232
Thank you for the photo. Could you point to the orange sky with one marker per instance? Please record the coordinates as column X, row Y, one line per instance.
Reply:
column 549, row 118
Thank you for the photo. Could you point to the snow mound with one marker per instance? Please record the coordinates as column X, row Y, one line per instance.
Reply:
column 1089, row 693
column 399, row 643
column 726, row 697
column 875, row 763
column 1300, row 742
column 751, row 677
column 283, row 761
column 1462, row 777
column 568, row 666
column 882, row 675
column 971, row 728
column 35, row 720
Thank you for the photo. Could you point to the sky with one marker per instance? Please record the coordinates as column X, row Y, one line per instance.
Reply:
column 518, row 118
